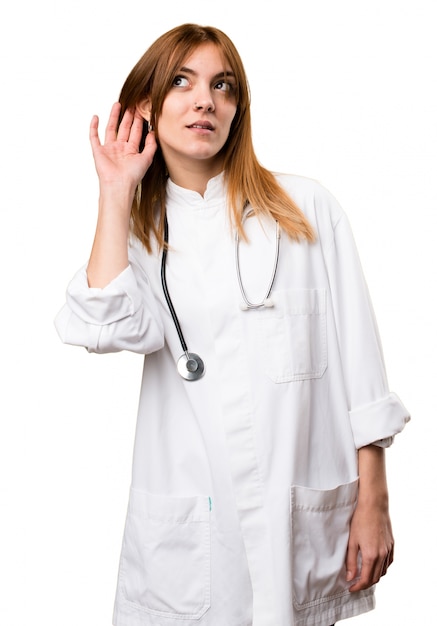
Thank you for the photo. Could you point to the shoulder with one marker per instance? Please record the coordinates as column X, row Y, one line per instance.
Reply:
column 317, row 203
column 309, row 193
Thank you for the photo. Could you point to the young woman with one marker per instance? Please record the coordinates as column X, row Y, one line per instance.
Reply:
column 259, row 495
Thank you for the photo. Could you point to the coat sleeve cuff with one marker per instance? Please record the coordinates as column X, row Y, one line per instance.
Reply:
column 114, row 302
column 378, row 422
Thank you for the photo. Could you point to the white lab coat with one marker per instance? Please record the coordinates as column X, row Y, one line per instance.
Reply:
column 244, row 482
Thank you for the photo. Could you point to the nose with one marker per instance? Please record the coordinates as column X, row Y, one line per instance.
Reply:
column 205, row 104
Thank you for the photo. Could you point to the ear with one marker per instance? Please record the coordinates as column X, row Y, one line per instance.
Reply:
column 145, row 108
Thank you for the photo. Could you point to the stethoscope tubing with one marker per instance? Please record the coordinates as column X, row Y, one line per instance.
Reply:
column 166, row 291
column 190, row 366
column 265, row 302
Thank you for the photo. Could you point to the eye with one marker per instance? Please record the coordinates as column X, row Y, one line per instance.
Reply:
column 180, row 81
column 224, row 86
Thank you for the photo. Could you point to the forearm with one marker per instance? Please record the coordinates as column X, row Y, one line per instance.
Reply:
column 373, row 490
column 109, row 254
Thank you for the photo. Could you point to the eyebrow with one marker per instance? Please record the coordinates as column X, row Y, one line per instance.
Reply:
column 225, row 74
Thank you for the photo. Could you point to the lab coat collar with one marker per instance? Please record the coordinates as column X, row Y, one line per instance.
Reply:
column 214, row 196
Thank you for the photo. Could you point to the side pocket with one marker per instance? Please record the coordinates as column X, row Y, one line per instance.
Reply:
column 165, row 561
column 320, row 522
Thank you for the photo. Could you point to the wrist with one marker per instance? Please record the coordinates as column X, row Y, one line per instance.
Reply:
column 118, row 192
column 373, row 498
column 373, row 489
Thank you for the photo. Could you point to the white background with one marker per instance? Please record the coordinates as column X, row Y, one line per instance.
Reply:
column 343, row 91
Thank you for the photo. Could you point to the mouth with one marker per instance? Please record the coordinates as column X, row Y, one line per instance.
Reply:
column 202, row 125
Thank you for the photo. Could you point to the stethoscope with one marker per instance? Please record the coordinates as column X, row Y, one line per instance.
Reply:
column 189, row 365
column 266, row 301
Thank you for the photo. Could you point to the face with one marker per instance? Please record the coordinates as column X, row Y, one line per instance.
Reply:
column 197, row 113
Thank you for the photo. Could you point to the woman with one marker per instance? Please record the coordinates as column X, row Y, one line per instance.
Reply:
column 245, row 507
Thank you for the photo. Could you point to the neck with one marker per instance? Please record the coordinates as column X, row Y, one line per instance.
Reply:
column 194, row 178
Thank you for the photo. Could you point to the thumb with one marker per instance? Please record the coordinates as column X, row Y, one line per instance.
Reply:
column 352, row 562
column 150, row 148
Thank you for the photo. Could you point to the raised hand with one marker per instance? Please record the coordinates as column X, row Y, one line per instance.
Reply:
column 118, row 160
column 120, row 167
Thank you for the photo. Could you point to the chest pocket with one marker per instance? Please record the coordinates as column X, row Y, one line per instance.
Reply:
column 292, row 335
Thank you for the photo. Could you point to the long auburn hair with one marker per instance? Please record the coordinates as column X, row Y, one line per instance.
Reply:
column 248, row 182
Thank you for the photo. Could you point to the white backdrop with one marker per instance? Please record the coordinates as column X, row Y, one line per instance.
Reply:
column 343, row 91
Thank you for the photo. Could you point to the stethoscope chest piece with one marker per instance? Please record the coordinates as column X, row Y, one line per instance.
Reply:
column 190, row 366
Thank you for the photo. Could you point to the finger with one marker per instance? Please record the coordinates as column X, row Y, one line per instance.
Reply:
column 125, row 128
column 150, row 146
column 137, row 129
column 387, row 562
column 371, row 571
column 94, row 133
column 392, row 555
column 365, row 578
column 352, row 568
column 148, row 152
column 359, row 568
column 111, row 127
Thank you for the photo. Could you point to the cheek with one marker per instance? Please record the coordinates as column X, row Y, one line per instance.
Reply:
column 232, row 110
column 231, row 116
column 165, row 123
column 169, row 111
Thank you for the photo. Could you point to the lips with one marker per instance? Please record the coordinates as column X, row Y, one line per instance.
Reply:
column 202, row 124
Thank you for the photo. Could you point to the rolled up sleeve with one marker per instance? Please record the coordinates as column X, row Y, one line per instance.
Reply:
column 378, row 422
column 376, row 414
column 121, row 316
